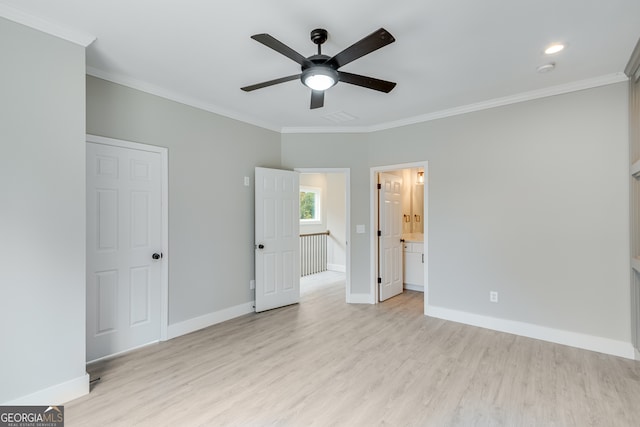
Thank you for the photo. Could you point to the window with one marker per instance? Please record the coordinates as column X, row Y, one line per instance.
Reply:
column 309, row 205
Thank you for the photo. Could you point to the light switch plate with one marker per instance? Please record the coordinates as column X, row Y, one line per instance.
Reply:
column 247, row 181
column 360, row 228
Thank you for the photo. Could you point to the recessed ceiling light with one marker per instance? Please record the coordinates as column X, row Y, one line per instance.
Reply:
column 554, row 48
column 546, row 67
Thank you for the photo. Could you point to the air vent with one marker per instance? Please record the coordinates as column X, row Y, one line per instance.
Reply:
column 339, row 117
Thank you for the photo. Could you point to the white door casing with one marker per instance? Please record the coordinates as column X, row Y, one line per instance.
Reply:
column 390, row 240
column 123, row 233
column 277, row 238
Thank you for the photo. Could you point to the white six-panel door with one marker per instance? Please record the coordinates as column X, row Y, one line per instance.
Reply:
column 277, row 238
column 123, row 234
column 390, row 240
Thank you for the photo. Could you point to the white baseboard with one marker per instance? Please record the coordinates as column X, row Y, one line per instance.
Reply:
column 411, row 287
column 337, row 267
column 360, row 299
column 58, row 394
column 120, row 353
column 558, row 336
column 192, row 325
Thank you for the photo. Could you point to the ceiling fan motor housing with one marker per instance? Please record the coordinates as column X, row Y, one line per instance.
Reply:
column 317, row 67
column 319, row 36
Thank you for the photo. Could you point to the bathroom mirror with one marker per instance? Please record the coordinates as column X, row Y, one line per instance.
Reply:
column 412, row 200
column 417, row 201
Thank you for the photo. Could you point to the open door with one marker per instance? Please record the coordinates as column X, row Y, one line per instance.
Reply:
column 390, row 236
column 277, row 238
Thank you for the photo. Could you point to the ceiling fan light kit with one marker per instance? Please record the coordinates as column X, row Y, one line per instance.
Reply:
column 319, row 77
column 320, row 72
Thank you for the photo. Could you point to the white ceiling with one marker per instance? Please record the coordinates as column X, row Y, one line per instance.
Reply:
column 449, row 56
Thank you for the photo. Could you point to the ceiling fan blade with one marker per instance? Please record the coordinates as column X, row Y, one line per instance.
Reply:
column 373, row 41
column 282, row 48
column 368, row 82
column 317, row 99
column 270, row 83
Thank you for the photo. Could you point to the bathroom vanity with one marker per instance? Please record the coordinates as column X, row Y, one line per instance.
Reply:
column 414, row 261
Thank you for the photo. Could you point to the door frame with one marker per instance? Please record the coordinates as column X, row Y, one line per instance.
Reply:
column 347, row 213
column 164, row 222
column 373, row 220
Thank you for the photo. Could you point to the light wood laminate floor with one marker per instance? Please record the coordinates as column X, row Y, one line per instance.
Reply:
column 325, row 363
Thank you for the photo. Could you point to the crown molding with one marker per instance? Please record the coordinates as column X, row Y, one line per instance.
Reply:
column 484, row 105
column 328, row 129
column 633, row 66
column 69, row 34
column 174, row 96
column 507, row 100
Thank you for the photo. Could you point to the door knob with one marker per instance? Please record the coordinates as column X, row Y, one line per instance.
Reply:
column 157, row 255
column 260, row 246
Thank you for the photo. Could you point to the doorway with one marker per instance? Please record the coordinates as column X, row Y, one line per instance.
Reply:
column 330, row 187
column 375, row 239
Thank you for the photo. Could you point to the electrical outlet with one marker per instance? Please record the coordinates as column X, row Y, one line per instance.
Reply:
column 493, row 296
column 252, row 284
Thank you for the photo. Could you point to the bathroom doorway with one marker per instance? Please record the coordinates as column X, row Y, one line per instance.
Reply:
column 413, row 225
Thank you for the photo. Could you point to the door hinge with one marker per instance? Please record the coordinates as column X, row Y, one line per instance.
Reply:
column 379, row 233
column 379, row 279
column 379, row 186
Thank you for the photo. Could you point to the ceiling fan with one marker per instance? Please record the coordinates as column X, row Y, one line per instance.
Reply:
column 320, row 72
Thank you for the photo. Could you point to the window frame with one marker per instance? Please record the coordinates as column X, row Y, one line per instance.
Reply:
column 317, row 202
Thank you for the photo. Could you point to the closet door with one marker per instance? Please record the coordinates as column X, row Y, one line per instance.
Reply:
column 124, row 247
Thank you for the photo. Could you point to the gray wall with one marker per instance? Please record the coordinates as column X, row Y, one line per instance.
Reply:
column 530, row 200
column 42, row 211
column 336, row 220
column 211, row 212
